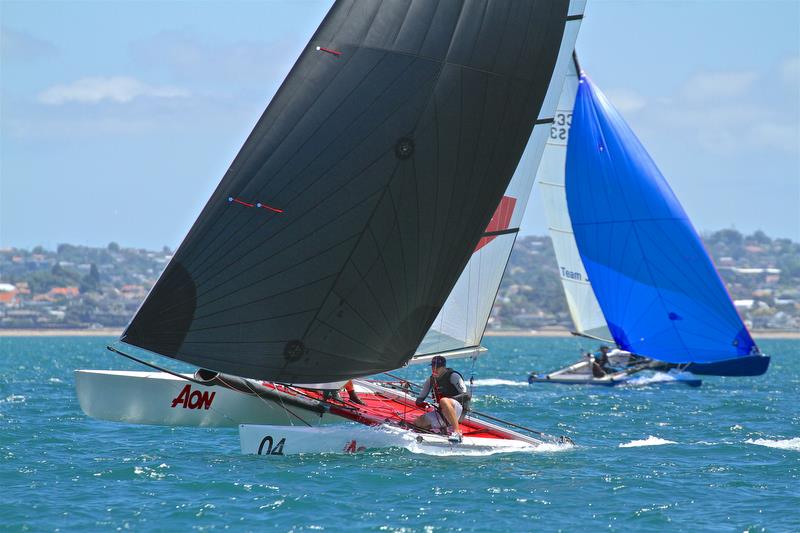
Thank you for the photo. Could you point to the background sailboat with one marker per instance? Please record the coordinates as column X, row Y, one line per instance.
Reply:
column 615, row 221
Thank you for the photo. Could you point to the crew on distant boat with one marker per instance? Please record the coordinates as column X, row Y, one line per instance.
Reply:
column 599, row 363
column 597, row 370
column 601, row 358
column 450, row 391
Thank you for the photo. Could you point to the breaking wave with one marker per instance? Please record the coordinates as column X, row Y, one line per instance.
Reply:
column 781, row 444
column 459, row 451
column 659, row 378
column 649, row 441
column 409, row 442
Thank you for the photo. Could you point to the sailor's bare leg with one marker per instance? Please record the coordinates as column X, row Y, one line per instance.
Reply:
column 449, row 413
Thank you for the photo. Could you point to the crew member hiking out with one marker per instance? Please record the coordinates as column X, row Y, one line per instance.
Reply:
column 450, row 391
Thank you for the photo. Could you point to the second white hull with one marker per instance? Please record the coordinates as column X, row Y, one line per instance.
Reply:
column 285, row 440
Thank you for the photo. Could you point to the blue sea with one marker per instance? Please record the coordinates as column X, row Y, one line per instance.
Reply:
column 722, row 457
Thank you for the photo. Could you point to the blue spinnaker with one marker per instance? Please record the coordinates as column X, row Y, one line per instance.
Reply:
column 657, row 287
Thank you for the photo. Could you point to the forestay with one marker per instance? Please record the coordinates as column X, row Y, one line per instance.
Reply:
column 460, row 324
column 657, row 287
column 583, row 307
column 342, row 225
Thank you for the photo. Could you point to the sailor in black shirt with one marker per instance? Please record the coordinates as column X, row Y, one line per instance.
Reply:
column 450, row 391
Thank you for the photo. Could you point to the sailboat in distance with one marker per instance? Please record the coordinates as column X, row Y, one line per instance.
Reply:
column 379, row 171
column 615, row 221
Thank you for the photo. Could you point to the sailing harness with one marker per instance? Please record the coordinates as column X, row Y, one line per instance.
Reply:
column 443, row 387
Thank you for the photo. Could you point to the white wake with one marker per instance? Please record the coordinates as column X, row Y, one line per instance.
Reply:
column 499, row 383
column 408, row 440
column 659, row 377
column 649, row 441
column 781, row 444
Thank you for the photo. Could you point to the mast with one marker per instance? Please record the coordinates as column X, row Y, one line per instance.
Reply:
column 583, row 306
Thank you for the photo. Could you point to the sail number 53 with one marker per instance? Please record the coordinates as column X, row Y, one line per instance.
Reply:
column 560, row 128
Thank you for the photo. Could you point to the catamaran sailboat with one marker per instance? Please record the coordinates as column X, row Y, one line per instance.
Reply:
column 614, row 220
column 362, row 225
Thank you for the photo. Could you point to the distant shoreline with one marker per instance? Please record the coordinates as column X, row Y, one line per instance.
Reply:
column 547, row 333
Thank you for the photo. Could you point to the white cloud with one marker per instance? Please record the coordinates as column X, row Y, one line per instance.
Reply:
column 626, row 100
column 118, row 89
column 728, row 113
column 713, row 86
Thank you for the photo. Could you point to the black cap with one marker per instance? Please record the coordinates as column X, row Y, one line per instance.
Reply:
column 438, row 361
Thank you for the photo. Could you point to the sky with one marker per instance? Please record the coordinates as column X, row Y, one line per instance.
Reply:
column 118, row 119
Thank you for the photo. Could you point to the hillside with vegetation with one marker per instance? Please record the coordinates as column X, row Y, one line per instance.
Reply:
column 79, row 287
column 761, row 274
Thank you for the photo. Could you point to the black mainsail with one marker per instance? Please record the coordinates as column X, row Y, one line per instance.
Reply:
column 343, row 223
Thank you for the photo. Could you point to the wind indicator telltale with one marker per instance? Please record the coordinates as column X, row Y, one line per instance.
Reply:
column 231, row 199
column 328, row 50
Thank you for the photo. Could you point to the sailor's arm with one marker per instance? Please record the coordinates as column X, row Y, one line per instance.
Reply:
column 426, row 389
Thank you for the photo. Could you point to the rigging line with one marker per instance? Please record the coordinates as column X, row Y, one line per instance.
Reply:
column 153, row 366
column 319, row 398
column 386, row 399
column 176, row 374
column 402, row 380
column 222, row 380
column 280, row 398
column 436, row 407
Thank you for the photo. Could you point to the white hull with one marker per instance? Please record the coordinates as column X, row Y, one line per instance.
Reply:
column 271, row 427
column 580, row 373
column 162, row 399
column 284, row 440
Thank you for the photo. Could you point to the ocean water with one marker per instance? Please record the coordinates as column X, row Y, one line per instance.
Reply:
column 722, row 457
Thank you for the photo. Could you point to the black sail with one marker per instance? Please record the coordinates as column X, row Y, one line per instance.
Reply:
column 336, row 235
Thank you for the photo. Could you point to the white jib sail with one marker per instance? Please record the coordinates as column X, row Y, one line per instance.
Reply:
column 583, row 306
column 458, row 329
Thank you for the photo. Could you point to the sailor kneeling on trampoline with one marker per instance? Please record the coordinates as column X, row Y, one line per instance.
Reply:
column 450, row 391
